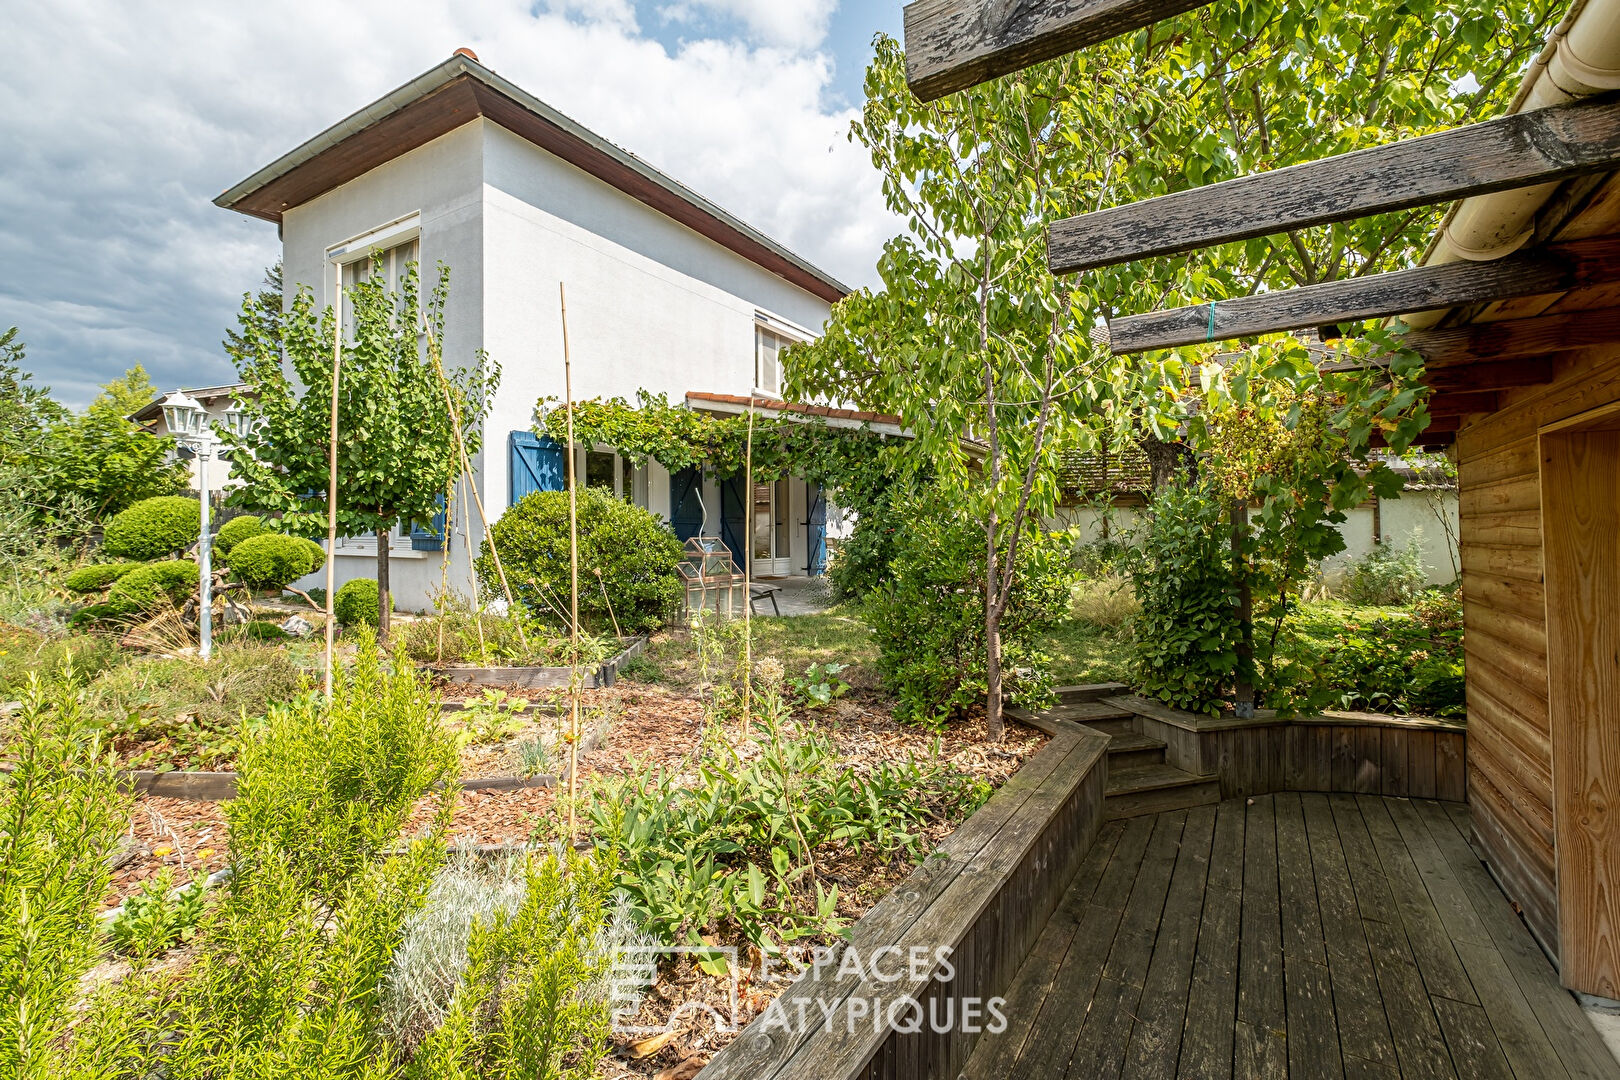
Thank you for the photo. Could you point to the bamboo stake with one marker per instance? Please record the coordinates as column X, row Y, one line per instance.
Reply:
column 472, row 484
column 331, row 488
column 748, row 569
column 444, row 558
column 573, row 572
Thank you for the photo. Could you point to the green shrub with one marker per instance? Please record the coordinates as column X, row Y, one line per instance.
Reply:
column 62, row 811
column 1387, row 575
column 152, row 587
column 236, row 530
column 1184, row 640
column 96, row 576
column 71, row 659
column 274, row 560
column 928, row 618
column 863, row 559
column 624, row 552
column 357, row 603
column 161, row 915
column 153, row 528
column 1395, row 662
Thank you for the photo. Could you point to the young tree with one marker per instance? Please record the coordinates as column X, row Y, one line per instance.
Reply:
column 104, row 459
column 27, row 415
column 396, row 443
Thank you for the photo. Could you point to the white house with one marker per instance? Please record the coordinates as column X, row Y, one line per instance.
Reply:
column 666, row 292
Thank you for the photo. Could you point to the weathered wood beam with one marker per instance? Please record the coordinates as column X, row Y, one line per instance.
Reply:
column 1535, row 336
column 1428, row 438
column 1462, row 403
column 1553, row 268
column 1545, row 146
column 954, row 44
column 1501, row 375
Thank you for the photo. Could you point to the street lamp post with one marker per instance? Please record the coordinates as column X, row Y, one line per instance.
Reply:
column 188, row 422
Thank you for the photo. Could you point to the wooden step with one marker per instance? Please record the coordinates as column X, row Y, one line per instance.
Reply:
column 1127, row 750
column 1086, row 711
column 1091, row 691
column 1136, row 790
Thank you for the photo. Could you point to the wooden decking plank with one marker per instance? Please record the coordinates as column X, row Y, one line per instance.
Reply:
column 1260, row 1036
column 1357, row 1005
column 1450, row 901
column 1361, row 1069
column 1473, row 1044
column 1419, row 1044
column 1577, row 1045
column 1313, row 1036
column 995, row 1055
column 1206, row 1041
column 1057, row 1026
column 1426, row 934
column 1373, row 898
column 1313, row 1033
column 1100, row 1052
column 1524, row 1043
column 1155, row 1039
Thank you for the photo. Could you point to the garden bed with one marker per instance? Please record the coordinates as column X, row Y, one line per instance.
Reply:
column 539, row 677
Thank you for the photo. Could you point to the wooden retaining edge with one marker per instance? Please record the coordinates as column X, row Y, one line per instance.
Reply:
column 221, row 786
column 536, row 677
column 1189, row 721
column 985, row 894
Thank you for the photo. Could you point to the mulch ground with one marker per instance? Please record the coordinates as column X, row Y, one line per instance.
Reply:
column 645, row 727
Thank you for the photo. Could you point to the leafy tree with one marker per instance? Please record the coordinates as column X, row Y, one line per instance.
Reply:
column 103, row 458
column 397, row 452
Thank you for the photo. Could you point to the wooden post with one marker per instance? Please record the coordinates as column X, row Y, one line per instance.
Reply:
column 1245, row 613
column 331, row 488
column 573, row 573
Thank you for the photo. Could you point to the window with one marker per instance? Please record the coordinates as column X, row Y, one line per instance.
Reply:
column 391, row 263
column 600, row 467
column 605, row 469
column 771, row 534
column 768, row 360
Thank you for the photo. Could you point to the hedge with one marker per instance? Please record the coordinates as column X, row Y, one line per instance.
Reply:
column 356, row 603
column 153, row 586
column 97, row 576
column 274, row 560
column 236, row 530
column 153, row 528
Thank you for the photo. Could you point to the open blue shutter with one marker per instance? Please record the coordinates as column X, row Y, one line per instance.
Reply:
column 536, row 465
column 429, row 538
column 816, row 529
column 734, row 518
column 686, row 502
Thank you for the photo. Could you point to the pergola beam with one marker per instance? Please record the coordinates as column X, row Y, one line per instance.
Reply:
column 954, row 44
column 1545, row 146
column 1510, row 338
column 1554, row 268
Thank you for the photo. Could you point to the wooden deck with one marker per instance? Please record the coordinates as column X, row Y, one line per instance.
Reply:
column 1302, row 935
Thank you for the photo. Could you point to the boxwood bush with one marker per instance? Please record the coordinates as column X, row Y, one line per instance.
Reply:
column 152, row 587
column 631, row 552
column 97, row 576
column 236, row 530
column 153, row 528
column 356, row 603
column 274, row 560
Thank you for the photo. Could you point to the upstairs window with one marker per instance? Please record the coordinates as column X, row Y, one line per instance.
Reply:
column 768, row 360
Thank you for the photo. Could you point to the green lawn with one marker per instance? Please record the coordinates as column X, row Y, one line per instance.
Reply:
column 1086, row 653
column 834, row 636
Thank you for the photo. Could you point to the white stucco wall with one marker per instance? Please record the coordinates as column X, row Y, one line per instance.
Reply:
column 1434, row 513
column 651, row 304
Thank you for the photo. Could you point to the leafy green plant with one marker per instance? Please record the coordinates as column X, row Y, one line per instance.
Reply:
column 55, row 659
column 820, row 685
column 1385, row 660
column 236, row 530
column 153, row 528
column 99, row 461
column 152, row 587
column 627, row 561
column 61, row 813
column 357, row 603
column 1388, row 574
column 96, row 576
column 928, row 618
column 492, row 717
column 734, row 850
column 641, row 668
column 1185, row 637
column 273, row 560
column 456, row 634
column 863, row 559
column 160, row 916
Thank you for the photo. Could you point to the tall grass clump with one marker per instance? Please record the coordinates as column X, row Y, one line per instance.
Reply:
column 61, row 813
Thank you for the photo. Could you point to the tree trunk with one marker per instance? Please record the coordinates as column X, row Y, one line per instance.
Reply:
column 1244, row 705
column 1163, row 459
column 384, row 604
column 994, row 726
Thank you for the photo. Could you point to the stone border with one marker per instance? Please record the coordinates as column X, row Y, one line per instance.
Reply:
column 985, row 894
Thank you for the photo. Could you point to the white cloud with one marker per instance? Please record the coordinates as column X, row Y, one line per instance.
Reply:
column 121, row 122
column 800, row 24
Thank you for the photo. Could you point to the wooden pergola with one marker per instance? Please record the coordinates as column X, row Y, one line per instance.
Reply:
column 1522, row 352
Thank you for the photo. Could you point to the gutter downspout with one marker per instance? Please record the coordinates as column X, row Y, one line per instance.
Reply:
column 1581, row 58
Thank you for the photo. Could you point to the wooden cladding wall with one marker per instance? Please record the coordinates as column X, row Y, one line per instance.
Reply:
column 985, row 894
column 1510, row 781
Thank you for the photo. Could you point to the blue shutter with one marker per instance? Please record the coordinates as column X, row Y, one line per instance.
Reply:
column 686, row 502
column 429, row 538
column 734, row 518
column 536, row 465
column 816, row 529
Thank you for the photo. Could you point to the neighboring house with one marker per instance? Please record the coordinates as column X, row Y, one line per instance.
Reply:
column 1102, row 494
column 214, row 400
column 666, row 292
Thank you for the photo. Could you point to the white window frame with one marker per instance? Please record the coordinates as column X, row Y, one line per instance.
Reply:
column 783, row 333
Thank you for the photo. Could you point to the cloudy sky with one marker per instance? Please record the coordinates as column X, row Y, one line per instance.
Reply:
column 120, row 121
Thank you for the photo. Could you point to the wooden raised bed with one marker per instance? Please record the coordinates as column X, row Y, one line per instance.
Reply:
column 986, row 893
column 534, row 678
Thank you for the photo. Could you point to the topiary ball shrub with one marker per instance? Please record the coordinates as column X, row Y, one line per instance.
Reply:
column 634, row 551
column 153, row 528
column 236, row 530
column 356, row 603
column 152, row 587
column 97, row 576
column 274, row 560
